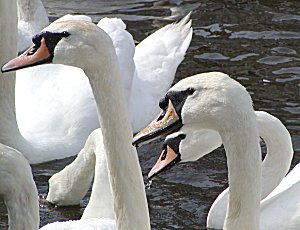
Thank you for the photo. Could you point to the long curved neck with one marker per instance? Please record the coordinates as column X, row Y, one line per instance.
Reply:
column 101, row 202
column 125, row 175
column 279, row 151
column 274, row 167
column 23, row 210
column 32, row 11
column 32, row 18
column 8, row 47
column 244, row 174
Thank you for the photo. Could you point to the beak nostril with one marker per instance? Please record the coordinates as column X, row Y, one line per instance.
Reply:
column 33, row 50
column 164, row 155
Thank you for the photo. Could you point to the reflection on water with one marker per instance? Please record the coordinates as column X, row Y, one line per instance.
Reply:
column 256, row 42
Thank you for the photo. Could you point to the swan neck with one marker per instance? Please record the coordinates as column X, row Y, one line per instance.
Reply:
column 18, row 190
column 8, row 47
column 31, row 11
column 279, row 151
column 23, row 211
column 244, row 175
column 130, row 202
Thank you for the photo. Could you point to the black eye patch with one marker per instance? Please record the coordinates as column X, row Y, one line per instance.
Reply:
column 178, row 98
column 51, row 40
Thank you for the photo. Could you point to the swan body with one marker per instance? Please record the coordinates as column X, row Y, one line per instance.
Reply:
column 71, row 43
column 216, row 102
column 48, row 135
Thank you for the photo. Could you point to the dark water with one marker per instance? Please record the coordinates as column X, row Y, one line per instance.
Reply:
column 256, row 42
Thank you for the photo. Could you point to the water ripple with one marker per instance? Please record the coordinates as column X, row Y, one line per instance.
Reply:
column 273, row 35
column 211, row 56
column 275, row 60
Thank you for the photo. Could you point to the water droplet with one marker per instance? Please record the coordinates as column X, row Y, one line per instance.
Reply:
column 148, row 184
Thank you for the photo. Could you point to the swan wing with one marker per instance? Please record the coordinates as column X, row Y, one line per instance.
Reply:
column 69, row 17
column 156, row 58
column 124, row 46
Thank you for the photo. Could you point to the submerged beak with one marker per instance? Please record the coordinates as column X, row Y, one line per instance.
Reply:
column 167, row 159
column 168, row 121
column 35, row 55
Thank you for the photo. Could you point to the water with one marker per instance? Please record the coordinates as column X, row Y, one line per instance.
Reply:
column 256, row 42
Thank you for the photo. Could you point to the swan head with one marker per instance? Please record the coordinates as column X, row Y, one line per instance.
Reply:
column 64, row 42
column 206, row 101
column 211, row 101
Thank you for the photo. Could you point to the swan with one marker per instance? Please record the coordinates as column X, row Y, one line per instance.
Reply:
column 84, row 45
column 197, row 143
column 55, row 116
column 216, row 102
column 278, row 208
column 70, row 185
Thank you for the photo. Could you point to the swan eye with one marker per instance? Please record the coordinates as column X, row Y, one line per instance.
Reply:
column 65, row 34
column 182, row 136
column 190, row 90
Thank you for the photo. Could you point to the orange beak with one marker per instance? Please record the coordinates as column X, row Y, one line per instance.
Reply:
column 166, row 122
column 31, row 57
column 166, row 160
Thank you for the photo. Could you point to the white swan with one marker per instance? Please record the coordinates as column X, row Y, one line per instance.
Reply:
column 73, row 43
column 215, row 101
column 276, row 164
column 44, row 94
